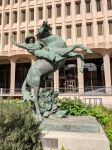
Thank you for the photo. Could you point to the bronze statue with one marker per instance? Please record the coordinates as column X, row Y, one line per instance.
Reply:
column 51, row 52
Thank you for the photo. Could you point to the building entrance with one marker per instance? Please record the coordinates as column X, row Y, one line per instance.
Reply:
column 93, row 74
column 5, row 77
column 68, row 81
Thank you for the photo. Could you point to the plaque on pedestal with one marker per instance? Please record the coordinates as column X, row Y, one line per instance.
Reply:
column 74, row 133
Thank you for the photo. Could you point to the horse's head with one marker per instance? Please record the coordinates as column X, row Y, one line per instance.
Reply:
column 43, row 31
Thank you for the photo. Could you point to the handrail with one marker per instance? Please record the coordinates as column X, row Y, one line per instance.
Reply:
column 87, row 91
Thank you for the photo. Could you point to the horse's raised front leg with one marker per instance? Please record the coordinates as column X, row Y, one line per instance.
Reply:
column 75, row 55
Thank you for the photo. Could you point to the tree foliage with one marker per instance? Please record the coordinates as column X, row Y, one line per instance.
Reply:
column 18, row 130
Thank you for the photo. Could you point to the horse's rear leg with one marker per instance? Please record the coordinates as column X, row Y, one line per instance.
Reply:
column 34, row 82
column 36, row 109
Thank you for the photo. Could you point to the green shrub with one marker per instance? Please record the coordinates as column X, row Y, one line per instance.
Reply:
column 62, row 148
column 74, row 107
column 18, row 131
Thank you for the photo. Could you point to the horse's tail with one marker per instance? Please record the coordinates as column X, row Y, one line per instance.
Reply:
column 23, row 86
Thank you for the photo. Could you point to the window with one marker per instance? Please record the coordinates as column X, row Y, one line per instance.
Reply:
column 23, row 1
column 14, row 34
column 58, row 8
column 7, row 18
column 14, row 16
column 0, row 2
column 68, row 32
column 6, row 38
column 79, row 30
column 49, row 11
column 100, row 28
column 0, row 39
column 0, row 19
column 7, row 2
column 31, row 32
column 31, row 14
column 89, row 29
column 15, row 1
column 98, row 5
column 110, row 26
column 40, row 12
column 23, row 15
column 58, row 30
column 88, row 6
column 77, row 7
column 109, row 4
column 22, row 36
column 68, row 5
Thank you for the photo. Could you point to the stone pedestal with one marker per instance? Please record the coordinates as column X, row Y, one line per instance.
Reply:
column 74, row 133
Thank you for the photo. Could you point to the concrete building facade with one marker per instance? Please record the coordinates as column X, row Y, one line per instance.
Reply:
column 87, row 22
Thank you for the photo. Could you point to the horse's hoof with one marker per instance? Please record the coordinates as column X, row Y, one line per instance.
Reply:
column 89, row 51
column 32, row 99
column 81, row 70
column 38, row 119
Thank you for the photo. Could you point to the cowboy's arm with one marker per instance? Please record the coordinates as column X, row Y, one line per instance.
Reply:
column 23, row 45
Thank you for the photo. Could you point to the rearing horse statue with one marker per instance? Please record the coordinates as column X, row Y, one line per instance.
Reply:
column 51, row 52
